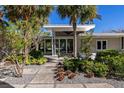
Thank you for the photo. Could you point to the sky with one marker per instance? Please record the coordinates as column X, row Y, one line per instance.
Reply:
column 112, row 18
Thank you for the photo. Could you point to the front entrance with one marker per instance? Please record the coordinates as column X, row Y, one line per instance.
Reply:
column 62, row 47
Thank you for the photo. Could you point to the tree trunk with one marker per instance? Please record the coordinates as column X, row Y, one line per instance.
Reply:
column 75, row 39
column 37, row 46
column 75, row 44
column 19, row 70
column 25, row 54
column 26, row 45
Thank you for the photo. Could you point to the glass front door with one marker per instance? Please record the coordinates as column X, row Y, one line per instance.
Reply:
column 66, row 47
column 63, row 46
column 57, row 46
column 48, row 46
column 70, row 46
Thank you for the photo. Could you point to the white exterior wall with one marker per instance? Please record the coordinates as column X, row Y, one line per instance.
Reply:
column 112, row 43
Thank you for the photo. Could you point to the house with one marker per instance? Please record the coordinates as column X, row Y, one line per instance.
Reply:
column 102, row 41
column 61, row 41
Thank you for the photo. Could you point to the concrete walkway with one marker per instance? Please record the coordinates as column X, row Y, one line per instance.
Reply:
column 43, row 77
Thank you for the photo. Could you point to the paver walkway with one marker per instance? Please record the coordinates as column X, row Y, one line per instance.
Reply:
column 43, row 77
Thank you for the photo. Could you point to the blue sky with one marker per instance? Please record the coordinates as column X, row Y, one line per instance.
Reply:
column 112, row 18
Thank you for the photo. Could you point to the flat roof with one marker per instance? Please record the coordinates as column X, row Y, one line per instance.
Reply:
column 60, row 27
column 104, row 34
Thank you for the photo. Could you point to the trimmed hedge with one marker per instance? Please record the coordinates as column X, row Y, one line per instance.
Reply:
column 114, row 60
column 100, row 70
column 71, row 64
column 86, row 66
column 115, row 64
column 101, row 54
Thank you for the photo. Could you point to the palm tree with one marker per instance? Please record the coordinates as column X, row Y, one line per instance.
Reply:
column 37, row 15
column 83, row 13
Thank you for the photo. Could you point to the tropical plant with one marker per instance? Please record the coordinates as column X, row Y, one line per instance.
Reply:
column 82, row 13
column 116, row 65
column 26, row 22
column 71, row 64
column 102, row 55
column 86, row 44
column 100, row 69
column 41, row 60
column 87, row 66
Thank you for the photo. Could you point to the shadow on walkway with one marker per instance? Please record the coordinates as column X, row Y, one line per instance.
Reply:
column 5, row 85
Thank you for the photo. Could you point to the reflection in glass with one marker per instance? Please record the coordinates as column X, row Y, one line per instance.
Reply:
column 63, row 46
column 48, row 46
column 70, row 46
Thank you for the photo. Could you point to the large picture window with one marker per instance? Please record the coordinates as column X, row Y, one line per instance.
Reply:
column 101, row 45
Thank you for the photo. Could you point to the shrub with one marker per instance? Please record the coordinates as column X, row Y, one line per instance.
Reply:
column 41, row 60
column 28, row 62
column 100, row 70
column 87, row 66
column 116, row 65
column 20, row 58
column 71, row 64
column 68, row 65
column 36, row 54
column 37, row 57
column 33, row 61
column 38, row 61
column 101, row 54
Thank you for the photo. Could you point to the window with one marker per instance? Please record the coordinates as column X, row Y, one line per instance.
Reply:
column 101, row 45
column 98, row 44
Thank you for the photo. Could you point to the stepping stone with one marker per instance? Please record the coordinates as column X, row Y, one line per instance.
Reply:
column 98, row 85
column 46, row 70
column 40, row 86
column 6, row 86
column 69, row 86
column 3, row 79
column 30, row 71
column 43, row 78
column 50, row 64
column 18, row 85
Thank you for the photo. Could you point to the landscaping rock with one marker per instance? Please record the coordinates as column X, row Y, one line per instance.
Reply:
column 71, row 75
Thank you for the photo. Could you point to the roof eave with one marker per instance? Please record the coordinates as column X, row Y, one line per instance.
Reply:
column 81, row 27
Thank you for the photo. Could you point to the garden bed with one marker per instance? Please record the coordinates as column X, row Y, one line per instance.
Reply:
column 108, row 67
column 80, row 79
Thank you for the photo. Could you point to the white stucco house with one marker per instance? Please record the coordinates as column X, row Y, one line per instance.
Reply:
column 61, row 41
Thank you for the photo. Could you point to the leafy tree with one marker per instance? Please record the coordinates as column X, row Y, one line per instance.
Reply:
column 86, row 44
column 38, row 39
column 25, row 22
column 83, row 13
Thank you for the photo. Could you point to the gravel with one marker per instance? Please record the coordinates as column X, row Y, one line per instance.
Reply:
column 22, row 80
column 27, row 77
column 31, row 72
column 81, row 79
